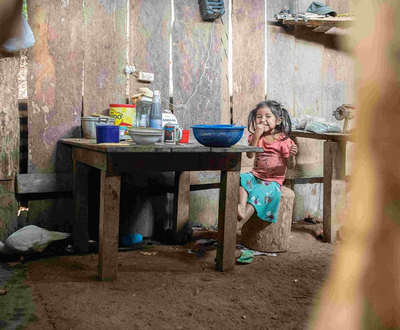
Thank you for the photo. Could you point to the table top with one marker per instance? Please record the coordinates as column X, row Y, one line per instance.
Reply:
column 131, row 147
column 336, row 137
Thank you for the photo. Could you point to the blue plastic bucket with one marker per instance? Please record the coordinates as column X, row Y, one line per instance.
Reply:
column 131, row 239
column 107, row 134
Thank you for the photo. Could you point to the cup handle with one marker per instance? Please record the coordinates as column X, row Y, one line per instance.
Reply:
column 179, row 129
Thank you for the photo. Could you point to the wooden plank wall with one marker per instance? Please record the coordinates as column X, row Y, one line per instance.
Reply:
column 248, row 57
column 104, row 54
column 309, row 73
column 76, row 68
column 149, row 44
column 54, row 80
column 145, row 210
column 9, row 143
column 197, row 54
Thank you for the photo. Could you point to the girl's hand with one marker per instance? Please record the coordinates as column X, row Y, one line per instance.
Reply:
column 293, row 150
column 260, row 128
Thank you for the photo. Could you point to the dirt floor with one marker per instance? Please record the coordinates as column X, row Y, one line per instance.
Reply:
column 169, row 287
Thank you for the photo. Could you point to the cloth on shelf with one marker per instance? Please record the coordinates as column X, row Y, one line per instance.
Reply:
column 321, row 9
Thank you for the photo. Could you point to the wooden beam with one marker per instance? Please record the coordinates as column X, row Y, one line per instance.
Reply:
column 337, row 137
column 110, row 193
column 80, row 227
column 9, row 128
column 334, row 188
column 227, row 220
column 43, row 183
column 181, row 206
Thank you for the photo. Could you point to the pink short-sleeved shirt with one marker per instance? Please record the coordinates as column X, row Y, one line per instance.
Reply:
column 271, row 164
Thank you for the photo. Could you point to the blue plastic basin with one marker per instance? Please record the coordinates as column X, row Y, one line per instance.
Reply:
column 218, row 135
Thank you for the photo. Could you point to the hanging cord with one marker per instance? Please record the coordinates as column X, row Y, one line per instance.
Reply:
column 210, row 41
column 131, row 69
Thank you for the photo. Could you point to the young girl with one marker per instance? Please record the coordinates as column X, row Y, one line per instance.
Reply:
column 260, row 190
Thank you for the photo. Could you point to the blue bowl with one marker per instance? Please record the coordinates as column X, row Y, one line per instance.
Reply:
column 218, row 135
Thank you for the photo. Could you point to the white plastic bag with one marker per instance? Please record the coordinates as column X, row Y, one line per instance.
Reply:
column 323, row 127
column 301, row 123
column 22, row 39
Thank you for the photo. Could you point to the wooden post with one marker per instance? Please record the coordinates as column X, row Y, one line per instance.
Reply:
column 334, row 187
column 110, row 193
column 227, row 220
column 181, row 206
column 80, row 231
column 9, row 144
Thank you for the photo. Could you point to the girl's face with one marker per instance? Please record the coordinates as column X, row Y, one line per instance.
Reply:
column 267, row 118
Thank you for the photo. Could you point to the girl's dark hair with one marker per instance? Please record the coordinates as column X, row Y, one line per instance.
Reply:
column 278, row 111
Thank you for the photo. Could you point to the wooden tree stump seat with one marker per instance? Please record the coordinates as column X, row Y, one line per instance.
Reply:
column 264, row 236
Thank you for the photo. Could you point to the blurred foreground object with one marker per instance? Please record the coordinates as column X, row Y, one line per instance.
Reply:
column 362, row 290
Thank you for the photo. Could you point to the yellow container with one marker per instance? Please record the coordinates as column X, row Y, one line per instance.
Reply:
column 124, row 114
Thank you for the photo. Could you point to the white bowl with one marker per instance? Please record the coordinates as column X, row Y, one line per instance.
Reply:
column 145, row 135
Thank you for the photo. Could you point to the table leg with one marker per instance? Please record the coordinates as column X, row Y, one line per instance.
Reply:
column 80, row 228
column 227, row 220
column 110, row 191
column 181, row 207
column 334, row 188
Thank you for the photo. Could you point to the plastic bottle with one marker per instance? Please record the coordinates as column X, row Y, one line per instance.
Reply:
column 155, row 112
column 143, row 120
column 143, row 108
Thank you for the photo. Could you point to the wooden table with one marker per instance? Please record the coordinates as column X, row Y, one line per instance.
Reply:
column 334, row 184
column 114, row 159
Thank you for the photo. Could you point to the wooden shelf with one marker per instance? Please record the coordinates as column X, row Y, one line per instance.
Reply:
column 321, row 24
column 336, row 137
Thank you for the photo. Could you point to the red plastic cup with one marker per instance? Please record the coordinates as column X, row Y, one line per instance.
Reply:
column 185, row 136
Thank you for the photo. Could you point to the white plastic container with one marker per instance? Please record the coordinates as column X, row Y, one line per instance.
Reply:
column 168, row 117
column 89, row 125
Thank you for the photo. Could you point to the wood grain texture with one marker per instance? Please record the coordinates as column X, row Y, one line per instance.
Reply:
column 338, row 73
column 9, row 120
column 334, row 188
column 181, row 207
column 227, row 220
column 110, row 193
column 9, row 144
column 264, row 236
column 43, row 183
column 149, row 44
column 8, row 210
column 54, row 79
column 222, row 32
column 196, row 54
column 281, row 67
column 308, row 74
column 105, row 55
column 80, row 193
column 248, row 33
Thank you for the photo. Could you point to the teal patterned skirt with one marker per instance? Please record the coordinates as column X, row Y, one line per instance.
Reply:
column 263, row 195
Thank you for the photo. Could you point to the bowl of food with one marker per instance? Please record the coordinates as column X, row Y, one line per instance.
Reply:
column 218, row 135
column 145, row 135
